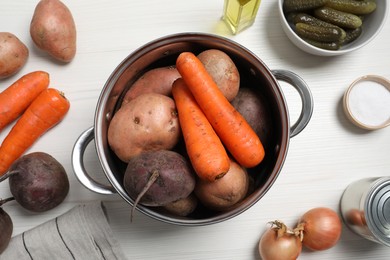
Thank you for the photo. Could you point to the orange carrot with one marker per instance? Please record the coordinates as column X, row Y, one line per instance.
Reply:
column 231, row 127
column 17, row 97
column 45, row 111
column 204, row 148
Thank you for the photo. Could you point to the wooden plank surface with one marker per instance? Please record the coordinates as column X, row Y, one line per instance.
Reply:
column 322, row 160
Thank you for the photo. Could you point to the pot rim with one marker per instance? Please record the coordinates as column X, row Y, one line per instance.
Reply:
column 100, row 117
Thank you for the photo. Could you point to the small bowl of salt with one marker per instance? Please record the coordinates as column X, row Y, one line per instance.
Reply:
column 367, row 102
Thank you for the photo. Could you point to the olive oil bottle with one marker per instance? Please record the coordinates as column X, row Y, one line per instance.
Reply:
column 240, row 14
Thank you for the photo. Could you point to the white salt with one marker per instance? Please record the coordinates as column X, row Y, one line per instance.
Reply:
column 369, row 103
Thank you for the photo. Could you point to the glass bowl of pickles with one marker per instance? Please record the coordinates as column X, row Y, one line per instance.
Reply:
column 332, row 27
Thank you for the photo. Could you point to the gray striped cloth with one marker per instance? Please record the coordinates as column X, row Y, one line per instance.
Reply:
column 82, row 233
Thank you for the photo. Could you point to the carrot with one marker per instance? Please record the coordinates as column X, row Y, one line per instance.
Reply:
column 204, row 148
column 231, row 127
column 17, row 97
column 45, row 111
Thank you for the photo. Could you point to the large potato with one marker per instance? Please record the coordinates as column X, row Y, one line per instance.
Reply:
column 222, row 194
column 223, row 71
column 158, row 80
column 13, row 54
column 53, row 30
column 148, row 122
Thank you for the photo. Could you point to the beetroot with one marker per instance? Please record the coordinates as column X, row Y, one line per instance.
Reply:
column 38, row 182
column 156, row 178
column 6, row 227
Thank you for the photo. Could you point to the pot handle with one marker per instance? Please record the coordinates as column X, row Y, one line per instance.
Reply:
column 78, row 164
column 307, row 99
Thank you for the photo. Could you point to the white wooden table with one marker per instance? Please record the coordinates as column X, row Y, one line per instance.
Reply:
column 322, row 160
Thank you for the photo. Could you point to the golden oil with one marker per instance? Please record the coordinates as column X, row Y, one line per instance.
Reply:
column 240, row 14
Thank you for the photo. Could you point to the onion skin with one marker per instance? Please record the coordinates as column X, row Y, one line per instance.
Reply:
column 285, row 247
column 321, row 228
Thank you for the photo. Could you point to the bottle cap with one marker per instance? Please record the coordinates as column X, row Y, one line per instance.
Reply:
column 367, row 102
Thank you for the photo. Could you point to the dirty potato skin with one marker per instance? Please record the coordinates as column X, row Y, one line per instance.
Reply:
column 148, row 122
column 223, row 71
column 13, row 54
column 53, row 30
column 158, row 80
column 182, row 207
column 222, row 194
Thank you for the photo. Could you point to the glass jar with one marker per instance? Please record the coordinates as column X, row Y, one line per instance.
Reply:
column 240, row 14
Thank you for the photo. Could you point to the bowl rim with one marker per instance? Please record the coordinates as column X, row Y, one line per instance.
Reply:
column 305, row 46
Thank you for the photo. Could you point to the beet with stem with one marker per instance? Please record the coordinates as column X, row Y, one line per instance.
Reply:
column 38, row 182
column 156, row 178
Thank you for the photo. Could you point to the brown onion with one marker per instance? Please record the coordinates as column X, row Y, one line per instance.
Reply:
column 279, row 243
column 321, row 228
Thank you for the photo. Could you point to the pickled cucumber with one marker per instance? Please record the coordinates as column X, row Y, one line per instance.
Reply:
column 302, row 5
column 332, row 46
column 352, row 35
column 308, row 19
column 353, row 6
column 319, row 33
column 339, row 18
column 328, row 24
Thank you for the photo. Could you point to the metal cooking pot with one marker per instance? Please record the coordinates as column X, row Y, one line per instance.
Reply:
column 163, row 52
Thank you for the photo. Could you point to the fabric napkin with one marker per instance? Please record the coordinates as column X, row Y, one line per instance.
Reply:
column 81, row 233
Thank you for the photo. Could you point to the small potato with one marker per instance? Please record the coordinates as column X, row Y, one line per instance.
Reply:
column 158, row 80
column 224, row 193
column 147, row 123
column 182, row 207
column 223, row 71
column 53, row 30
column 13, row 54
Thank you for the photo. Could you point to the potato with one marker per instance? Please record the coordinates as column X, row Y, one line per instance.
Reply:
column 158, row 80
column 254, row 108
column 156, row 178
column 53, row 30
column 148, row 122
column 224, row 193
column 182, row 207
column 13, row 54
column 223, row 71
